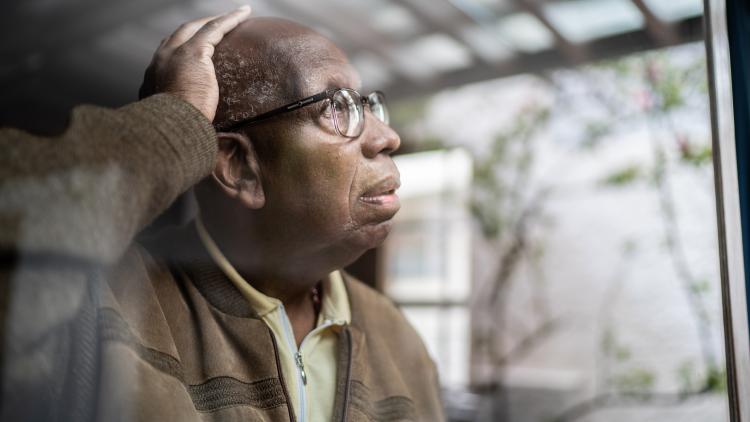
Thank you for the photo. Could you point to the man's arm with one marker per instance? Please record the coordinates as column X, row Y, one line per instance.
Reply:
column 88, row 192
column 85, row 194
column 71, row 205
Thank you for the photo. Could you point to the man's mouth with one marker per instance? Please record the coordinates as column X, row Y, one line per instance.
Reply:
column 383, row 193
column 380, row 198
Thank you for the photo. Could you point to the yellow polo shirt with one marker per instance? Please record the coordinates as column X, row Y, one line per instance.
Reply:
column 310, row 371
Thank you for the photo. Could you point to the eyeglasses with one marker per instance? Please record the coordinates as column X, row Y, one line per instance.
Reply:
column 347, row 110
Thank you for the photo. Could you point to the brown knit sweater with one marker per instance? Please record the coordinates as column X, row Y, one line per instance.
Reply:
column 96, row 328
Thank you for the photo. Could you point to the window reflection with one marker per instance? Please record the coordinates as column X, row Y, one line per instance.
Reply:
column 590, row 252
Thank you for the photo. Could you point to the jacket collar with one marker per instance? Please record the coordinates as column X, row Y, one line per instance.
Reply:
column 183, row 251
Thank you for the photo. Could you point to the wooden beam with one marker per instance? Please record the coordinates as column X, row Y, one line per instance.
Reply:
column 450, row 29
column 663, row 33
column 352, row 36
column 688, row 30
column 572, row 52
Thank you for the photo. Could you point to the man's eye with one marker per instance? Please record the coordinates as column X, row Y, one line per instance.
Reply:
column 325, row 109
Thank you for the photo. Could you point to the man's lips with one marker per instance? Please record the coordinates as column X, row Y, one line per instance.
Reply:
column 380, row 199
column 382, row 193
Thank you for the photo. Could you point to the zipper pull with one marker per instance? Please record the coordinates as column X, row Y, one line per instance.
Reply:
column 301, row 366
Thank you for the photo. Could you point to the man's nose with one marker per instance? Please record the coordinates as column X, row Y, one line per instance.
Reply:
column 378, row 137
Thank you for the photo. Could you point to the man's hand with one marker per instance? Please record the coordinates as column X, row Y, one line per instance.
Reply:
column 182, row 64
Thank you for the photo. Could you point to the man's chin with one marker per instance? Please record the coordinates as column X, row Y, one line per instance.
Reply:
column 372, row 235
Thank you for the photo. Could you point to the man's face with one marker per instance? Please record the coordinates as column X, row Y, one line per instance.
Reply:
column 324, row 189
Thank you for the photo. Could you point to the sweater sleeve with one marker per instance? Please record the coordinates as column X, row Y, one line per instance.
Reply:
column 69, row 208
column 86, row 193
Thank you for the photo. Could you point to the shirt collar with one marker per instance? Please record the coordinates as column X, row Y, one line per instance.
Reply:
column 334, row 308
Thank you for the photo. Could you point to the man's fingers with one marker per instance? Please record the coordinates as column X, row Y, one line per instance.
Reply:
column 212, row 32
column 185, row 32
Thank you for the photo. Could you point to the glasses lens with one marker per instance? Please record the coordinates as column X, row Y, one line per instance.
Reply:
column 348, row 113
column 377, row 106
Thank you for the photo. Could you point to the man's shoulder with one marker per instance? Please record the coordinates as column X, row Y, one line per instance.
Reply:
column 393, row 349
column 366, row 301
column 375, row 313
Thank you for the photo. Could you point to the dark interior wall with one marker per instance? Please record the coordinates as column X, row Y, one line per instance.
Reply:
column 51, row 60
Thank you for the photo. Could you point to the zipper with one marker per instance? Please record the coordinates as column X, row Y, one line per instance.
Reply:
column 300, row 367
column 299, row 362
column 348, row 336
column 302, row 377
column 289, row 404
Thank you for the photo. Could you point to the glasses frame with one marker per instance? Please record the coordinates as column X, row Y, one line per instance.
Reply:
column 328, row 94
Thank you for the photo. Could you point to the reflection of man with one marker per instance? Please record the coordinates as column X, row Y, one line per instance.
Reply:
column 243, row 315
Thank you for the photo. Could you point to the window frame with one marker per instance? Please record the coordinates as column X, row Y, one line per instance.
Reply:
column 729, row 158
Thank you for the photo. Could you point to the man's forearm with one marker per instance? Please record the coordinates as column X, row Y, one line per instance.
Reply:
column 86, row 193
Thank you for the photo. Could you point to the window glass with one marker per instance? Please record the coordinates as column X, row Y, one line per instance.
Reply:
column 592, row 284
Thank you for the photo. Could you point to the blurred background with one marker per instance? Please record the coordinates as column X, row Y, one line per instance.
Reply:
column 557, row 244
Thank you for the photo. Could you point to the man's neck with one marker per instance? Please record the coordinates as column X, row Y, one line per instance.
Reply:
column 303, row 316
column 279, row 275
column 273, row 267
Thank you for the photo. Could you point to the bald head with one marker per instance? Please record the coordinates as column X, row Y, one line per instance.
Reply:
column 267, row 62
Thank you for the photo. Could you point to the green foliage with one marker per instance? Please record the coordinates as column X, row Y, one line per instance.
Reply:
column 622, row 67
column 670, row 89
column 499, row 174
column 687, row 377
column 489, row 222
column 622, row 353
column 659, row 169
column 594, row 133
column 716, row 380
column 633, row 380
column 612, row 348
column 696, row 155
column 636, row 380
column 700, row 287
column 623, row 176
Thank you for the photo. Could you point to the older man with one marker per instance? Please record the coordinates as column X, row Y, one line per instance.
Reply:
column 243, row 315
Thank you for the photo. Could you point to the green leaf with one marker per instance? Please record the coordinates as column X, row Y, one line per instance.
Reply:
column 696, row 155
column 671, row 93
column 716, row 380
column 623, row 176
column 622, row 353
column 636, row 380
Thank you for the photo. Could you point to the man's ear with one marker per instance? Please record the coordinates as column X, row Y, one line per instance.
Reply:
column 237, row 170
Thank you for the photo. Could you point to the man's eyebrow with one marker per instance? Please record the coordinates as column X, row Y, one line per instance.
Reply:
column 337, row 81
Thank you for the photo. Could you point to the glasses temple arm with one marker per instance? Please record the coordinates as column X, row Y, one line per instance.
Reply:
column 275, row 112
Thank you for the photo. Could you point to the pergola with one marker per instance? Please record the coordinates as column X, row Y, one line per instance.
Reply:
column 57, row 54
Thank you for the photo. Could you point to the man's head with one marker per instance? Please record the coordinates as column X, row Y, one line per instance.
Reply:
column 290, row 188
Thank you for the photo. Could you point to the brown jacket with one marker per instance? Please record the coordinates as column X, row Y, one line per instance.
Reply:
column 95, row 328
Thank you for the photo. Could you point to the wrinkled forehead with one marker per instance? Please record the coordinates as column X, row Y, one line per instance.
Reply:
column 268, row 62
column 325, row 66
